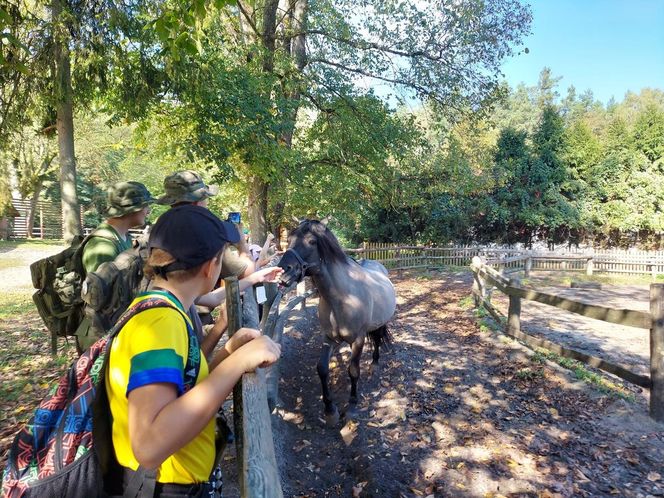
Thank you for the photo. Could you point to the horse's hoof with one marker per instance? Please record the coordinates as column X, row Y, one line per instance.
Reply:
column 332, row 419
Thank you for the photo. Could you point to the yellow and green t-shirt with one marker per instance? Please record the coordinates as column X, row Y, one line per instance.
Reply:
column 152, row 347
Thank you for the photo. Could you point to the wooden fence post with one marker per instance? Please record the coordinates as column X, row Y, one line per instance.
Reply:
column 234, row 310
column 529, row 265
column 479, row 287
column 589, row 266
column 398, row 260
column 657, row 352
column 257, row 466
column 514, row 311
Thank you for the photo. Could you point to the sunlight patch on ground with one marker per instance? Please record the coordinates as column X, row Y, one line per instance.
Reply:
column 290, row 417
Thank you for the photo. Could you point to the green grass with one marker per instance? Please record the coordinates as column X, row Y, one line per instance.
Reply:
column 466, row 303
column 28, row 243
column 530, row 374
column 15, row 303
column 582, row 373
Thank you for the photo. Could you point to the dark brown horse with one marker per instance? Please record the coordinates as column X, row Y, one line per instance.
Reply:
column 356, row 300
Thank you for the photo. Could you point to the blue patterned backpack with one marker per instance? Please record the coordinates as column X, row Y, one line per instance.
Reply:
column 66, row 449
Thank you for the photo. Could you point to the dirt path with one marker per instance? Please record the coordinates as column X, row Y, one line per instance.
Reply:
column 15, row 264
column 457, row 413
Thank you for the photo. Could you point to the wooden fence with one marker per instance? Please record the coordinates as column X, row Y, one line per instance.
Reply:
column 398, row 258
column 654, row 321
column 47, row 222
column 254, row 397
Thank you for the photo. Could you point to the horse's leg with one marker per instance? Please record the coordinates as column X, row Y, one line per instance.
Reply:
column 374, row 368
column 323, row 367
column 354, row 374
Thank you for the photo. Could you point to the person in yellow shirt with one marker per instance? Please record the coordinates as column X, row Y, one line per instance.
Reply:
column 162, row 392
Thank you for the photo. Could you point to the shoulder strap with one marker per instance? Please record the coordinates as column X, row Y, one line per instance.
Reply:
column 77, row 257
column 105, row 233
column 193, row 365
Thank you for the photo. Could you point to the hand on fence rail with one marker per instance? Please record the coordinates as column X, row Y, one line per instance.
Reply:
column 259, row 352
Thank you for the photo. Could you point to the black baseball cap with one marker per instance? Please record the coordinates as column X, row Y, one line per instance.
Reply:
column 192, row 235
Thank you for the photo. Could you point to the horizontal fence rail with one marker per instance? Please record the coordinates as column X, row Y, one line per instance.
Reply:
column 486, row 276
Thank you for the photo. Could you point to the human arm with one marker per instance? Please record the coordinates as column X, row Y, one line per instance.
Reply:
column 215, row 333
column 160, row 423
column 217, row 296
column 239, row 338
column 244, row 255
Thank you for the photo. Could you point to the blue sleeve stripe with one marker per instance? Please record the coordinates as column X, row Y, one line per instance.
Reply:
column 154, row 375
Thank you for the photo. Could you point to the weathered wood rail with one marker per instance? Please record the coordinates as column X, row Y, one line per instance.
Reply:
column 654, row 321
column 257, row 464
column 255, row 396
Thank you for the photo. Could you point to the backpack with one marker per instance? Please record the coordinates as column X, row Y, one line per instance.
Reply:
column 58, row 281
column 66, row 449
column 110, row 289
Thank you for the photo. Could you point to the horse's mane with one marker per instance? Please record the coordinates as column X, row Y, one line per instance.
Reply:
column 328, row 246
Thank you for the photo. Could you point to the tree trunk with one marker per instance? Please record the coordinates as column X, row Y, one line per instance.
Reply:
column 71, row 221
column 269, row 33
column 257, row 207
column 258, row 195
column 299, row 53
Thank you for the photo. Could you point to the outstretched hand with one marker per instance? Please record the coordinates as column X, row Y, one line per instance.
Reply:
column 271, row 274
column 259, row 352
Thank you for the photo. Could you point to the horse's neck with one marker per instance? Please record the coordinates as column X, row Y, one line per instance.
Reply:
column 332, row 282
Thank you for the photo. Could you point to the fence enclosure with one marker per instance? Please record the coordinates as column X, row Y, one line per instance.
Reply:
column 485, row 275
column 632, row 262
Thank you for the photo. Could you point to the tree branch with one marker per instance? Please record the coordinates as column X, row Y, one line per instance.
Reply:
column 365, row 45
column 396, row 81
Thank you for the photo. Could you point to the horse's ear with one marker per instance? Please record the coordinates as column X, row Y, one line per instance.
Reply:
column 326, row 220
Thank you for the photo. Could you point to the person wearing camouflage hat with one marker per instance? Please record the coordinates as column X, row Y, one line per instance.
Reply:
column 186, row 187
column 128, row 205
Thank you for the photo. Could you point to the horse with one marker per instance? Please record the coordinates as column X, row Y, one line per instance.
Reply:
column 356, row 299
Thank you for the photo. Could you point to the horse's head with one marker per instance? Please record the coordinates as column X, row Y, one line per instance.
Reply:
column 310, row 246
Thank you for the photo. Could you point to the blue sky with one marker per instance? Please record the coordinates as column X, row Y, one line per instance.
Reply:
column 608, row 46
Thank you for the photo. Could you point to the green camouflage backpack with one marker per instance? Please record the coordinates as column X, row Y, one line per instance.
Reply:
column 109, row 290
column 58, row 280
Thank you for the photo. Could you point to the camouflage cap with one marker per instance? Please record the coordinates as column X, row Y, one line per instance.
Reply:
column 126, row 198
column 186, row 186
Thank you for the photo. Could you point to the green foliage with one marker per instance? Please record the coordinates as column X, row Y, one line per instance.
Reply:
column 649, row 133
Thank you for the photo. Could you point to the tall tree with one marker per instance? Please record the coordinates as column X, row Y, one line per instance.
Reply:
column 303, row 57
column 64, row 104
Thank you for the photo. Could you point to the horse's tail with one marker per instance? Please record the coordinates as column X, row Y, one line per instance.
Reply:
column 381, row 337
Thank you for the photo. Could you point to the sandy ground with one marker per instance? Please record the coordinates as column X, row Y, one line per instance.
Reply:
column 629, row 346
